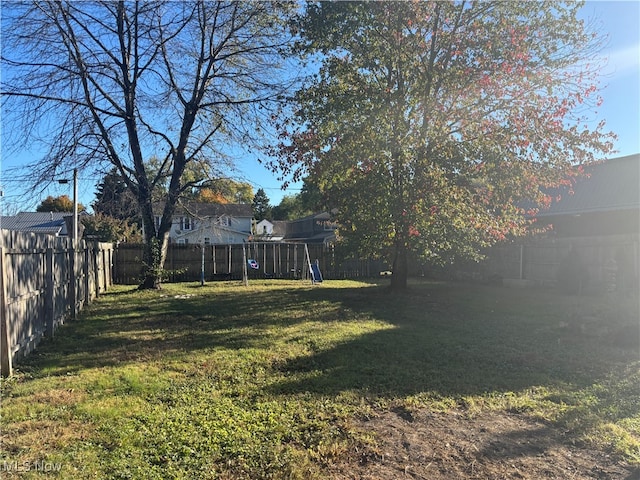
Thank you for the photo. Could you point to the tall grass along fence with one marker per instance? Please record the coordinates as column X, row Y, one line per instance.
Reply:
column 43, row 282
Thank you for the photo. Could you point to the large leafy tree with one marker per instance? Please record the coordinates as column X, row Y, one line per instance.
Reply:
column 120, row 82
column 58, row 204
column 106, row 228
column 431, row 124
column 289, row 208
column 225, row 190
column 308, row 201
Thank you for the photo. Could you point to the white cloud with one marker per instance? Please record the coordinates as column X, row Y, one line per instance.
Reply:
column 623, row 61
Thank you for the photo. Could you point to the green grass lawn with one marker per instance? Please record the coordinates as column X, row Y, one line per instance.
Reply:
column 224, row 381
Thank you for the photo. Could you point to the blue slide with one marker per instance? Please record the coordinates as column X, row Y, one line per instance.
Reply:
column 315, row 273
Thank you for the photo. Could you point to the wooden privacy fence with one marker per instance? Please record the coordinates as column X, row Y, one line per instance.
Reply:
column 607, row 262
column 42, row 282
column 225, row 262
column 218, row 262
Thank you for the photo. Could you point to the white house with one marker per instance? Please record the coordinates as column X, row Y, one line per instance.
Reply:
column 209, row 223
column 270, row 231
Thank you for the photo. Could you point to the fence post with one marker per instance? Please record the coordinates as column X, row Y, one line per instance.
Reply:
column 108, row 276
column 86, row 272
column 98, row 255
column 6, row 367
column 73, row 282
column 49, row 302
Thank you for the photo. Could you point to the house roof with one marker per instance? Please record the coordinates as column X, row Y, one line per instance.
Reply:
column 320, row 237
column 611, row 185
column 279, row 227
column 39, row 222
column 313, row 216
column 199, row 235
column 197, row 209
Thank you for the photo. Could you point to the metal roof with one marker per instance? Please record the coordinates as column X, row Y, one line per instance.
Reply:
column 40, row 222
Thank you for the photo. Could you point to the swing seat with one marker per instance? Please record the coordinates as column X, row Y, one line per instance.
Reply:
column 253, row 264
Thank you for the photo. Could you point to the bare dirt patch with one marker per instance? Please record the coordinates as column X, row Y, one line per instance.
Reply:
column 491, row 445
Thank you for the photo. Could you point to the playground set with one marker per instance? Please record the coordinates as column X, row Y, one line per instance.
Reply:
column 251, row 260
column 309, row 270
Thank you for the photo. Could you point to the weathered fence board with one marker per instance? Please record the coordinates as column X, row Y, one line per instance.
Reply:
column 221, row 262
column 43, row 282
column 607, row 262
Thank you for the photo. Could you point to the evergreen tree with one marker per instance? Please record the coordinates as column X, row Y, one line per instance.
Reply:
column 261, row 206
column 113, row 198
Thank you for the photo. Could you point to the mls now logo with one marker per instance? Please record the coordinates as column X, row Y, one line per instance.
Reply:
column 37, row 466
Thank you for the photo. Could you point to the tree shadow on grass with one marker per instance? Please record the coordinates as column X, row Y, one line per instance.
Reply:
column 487, row 342
column 440, row 339
column 123, row 328
column 453, row 343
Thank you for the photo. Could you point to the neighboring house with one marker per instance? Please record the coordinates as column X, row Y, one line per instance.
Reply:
column 606, row 202
column 594, row 240
column 208, row 223
column 270, row 231
column 58, row 224
column 317, row 228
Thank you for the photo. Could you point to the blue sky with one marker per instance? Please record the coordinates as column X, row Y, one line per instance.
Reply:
column 620, row 90
column 620, row 82
column 620, row 20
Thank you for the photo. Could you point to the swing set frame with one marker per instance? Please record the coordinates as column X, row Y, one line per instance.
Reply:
column 251, row 262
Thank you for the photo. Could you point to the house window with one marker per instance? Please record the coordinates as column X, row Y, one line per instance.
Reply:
column 185, row 223
column 207, row 241
column 264, row 229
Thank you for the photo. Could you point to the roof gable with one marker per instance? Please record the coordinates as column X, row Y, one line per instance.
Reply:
column 202, row 210
column 264, row 222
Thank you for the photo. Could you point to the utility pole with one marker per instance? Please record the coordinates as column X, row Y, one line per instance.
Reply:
column 75, row 208
column 74, row 246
